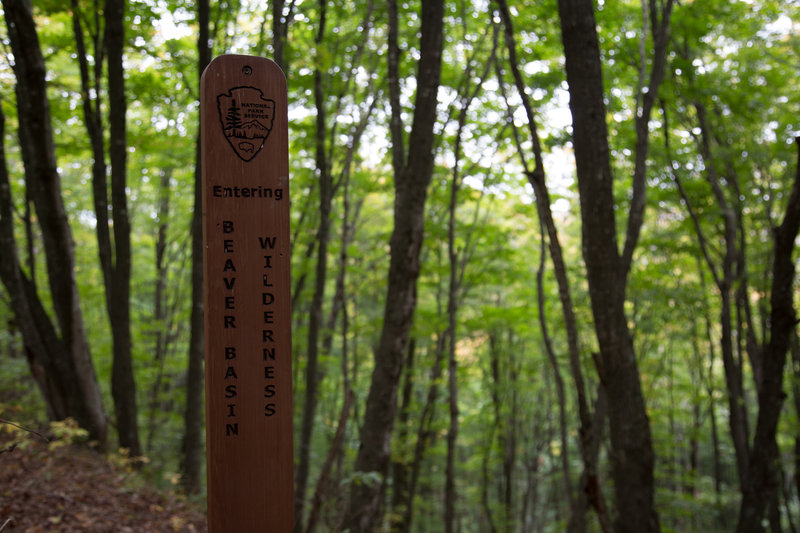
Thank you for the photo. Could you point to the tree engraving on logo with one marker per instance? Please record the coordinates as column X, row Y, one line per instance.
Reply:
column 246, row 118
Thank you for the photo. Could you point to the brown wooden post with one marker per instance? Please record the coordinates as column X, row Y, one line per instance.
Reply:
column 245, row 162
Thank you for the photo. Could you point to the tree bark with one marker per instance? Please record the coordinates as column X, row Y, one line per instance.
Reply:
column 761, row 483
column 450, row 491
column 632, row 456
column 406, row 241
column 123, row 386
column 192, row 446
column 578, row 522
column 93, row 118
column 42, row 345
column 280, row 32
column 161, row 314
column 794, row 349
column 72, row 369
column 313, row 374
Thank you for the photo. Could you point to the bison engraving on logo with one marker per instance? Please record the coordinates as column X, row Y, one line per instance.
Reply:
column 246, row 118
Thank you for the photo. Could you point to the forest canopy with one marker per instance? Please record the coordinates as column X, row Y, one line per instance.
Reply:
column 543, row 253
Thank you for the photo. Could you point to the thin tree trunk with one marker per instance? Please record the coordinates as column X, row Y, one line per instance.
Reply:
column 735, row 388
column 411, row 185
column 733, row 371
column 401, row 465
column 333, row 452
column 457, row 263
column 123, row 385
column 559, row 384
column 280, row 31
column 312, row 373
column 485, row 483
column 192, row 446
column 450, row 494
column 510, row 448
column 160, row 309
column 300, row 282
column 507, row 429
column 733, row 368
column 424, row 439
column 693, row 474
column 722, row 515
column 500, row 423
column 93, row 118
column 794, row 349
column 348, row 229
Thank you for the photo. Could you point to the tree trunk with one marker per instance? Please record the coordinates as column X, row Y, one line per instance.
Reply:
column 114, row 255
column 161, row 315
column 325, row 143
column 761, row 483
column 450, row 494
column 400, row 465
column 631, row 441
column 457, row 265
column 333, row 452
column 403, row 499
column 280, row 29
column 579, row 521
column 738, row 423
column 123, row 386
column 411, row 186
column 68, row 361
column 42, row 345
column 313, row 374
column 794, row 349
column 589, row 487
column 510, row 447
column 739, row 426
column 93, row 118
column 504, row 430
column 192, row 447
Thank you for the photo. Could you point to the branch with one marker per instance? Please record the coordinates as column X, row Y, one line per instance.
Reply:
column 393, row 81
column 692, row 214
column 642, row 120
column 10, row 423
column 698, row 230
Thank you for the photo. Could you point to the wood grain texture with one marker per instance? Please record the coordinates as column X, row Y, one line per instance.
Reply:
column 245, row 171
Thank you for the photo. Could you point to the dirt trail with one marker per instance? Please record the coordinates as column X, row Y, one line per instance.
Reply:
column 69, row 488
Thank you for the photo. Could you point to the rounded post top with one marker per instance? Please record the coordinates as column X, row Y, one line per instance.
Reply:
column 243, row 67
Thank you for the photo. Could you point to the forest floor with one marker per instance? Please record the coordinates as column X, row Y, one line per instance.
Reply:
column 60, row 487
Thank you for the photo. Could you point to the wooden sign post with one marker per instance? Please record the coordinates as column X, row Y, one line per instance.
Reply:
column 245, row 169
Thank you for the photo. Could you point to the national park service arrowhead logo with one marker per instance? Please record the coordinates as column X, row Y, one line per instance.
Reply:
column 246, row 118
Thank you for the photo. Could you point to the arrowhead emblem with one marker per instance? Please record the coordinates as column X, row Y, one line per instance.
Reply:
column 246, row 118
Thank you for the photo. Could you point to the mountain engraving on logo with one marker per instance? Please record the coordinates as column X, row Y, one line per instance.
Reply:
column 246, row 118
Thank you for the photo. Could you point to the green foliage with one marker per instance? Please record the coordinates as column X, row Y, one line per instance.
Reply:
column 737, row 59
